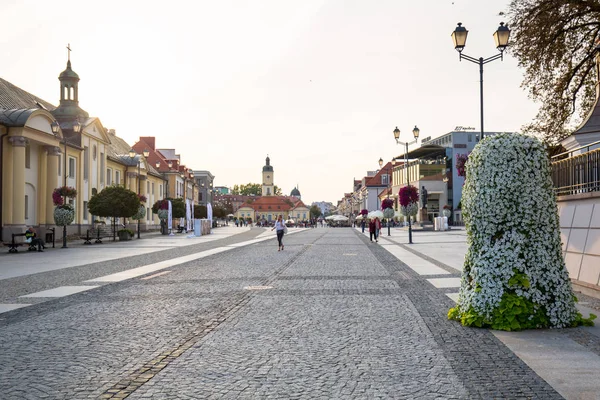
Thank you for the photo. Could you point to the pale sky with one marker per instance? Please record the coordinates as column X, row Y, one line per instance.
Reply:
column 318, row 85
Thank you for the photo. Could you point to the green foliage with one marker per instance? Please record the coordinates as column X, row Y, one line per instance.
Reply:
column 219, row 212
column 514, row 313
column 126, row 230
column 315, row 211
column 249, row 189
column 114, row 201
column 554, row 43
column 178, row 208
column 200, row 211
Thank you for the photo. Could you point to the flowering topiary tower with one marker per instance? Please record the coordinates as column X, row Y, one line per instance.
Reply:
column 514, row 276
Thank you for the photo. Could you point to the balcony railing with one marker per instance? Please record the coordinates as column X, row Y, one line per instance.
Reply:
column 577, row 173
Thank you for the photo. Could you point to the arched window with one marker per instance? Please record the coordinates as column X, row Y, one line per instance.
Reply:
column 71, row 93
column 65, row 94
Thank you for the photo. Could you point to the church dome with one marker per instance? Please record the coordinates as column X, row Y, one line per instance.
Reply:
column 268, row 166
column 295, row 192
column 68, row 73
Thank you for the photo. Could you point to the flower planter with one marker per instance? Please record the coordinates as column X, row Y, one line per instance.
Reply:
column 124, row 236
column 446, row 213
column 63, row 216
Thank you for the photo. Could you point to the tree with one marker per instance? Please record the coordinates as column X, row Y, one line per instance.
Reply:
column 277, row 191
column 315, row 212
column 178, row 208
column 555, row 42
column 200, row 211
column 248, row 189
column 115, row 202
column 219, row 212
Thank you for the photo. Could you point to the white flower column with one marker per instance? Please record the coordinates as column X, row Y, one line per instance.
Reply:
column 514, row 275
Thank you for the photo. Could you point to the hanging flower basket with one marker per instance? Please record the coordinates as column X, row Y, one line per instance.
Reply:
column 447, row 211
column 163, row 214
column 387, row 203
column 140, row 214
column 388, row 213
column 60, row 193
column 410, row 210
column 64, row 215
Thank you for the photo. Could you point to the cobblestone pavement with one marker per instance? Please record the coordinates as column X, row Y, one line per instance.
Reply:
column 331, row 316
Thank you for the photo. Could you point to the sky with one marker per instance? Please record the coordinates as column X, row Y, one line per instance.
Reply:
column 317, row 85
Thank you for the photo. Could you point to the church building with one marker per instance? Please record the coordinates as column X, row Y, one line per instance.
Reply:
column 269, row 206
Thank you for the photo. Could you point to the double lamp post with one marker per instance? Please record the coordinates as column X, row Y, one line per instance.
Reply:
column 459, row 37
column 415, row 132
column 389, row 182
column 76, row 128
column 132, row 155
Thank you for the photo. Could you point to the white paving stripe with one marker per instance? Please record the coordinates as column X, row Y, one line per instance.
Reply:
column 146, row 269
column 60, row 291
column 445, row 282
column 416, row 263
column 9, row 307
column 453, row 296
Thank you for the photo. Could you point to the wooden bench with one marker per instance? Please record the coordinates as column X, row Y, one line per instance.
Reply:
column 12, row 246
column 97, row 233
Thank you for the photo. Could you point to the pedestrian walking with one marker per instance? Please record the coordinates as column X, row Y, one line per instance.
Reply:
column 281, row 228
column 377, row 228
column 362, row 225
column 372, row 230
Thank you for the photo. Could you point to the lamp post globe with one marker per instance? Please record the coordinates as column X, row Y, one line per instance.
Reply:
column 132, row 155
column 76, row 127
column 501, row 37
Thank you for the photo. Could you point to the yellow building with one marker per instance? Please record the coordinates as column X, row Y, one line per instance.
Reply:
column 43, row 147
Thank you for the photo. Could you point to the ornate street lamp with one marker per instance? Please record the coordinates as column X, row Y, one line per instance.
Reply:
column 76, row 128
column 415, row 132
column 132, row 155
column 501, row 36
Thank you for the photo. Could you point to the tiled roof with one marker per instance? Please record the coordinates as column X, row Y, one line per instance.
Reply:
column 376, row 180
column 271, row 203
column 13, row 97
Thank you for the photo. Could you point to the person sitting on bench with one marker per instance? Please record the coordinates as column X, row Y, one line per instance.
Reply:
column 31, row 237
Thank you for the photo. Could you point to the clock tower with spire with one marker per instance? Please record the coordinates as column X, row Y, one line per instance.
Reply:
column 268, row 188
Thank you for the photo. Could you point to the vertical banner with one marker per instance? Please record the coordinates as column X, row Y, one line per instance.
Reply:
column 170, row 219
column 188, row 215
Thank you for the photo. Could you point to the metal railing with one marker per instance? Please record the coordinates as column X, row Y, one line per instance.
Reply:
column 577, row 173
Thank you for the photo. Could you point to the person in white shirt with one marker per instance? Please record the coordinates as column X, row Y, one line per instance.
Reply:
column 280, row 226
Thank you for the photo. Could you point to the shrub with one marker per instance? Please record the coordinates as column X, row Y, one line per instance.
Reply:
column 126, row 230
column 514, row 275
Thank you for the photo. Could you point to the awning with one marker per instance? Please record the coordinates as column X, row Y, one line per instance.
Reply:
column 426, row 151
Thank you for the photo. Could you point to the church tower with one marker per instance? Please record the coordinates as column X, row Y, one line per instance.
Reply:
column 68, row 109
column 268, row 188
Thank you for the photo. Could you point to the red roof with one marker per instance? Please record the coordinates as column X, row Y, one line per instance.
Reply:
column 376, row 180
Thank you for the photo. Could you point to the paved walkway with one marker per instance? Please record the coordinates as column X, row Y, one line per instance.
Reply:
column 227, row 316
